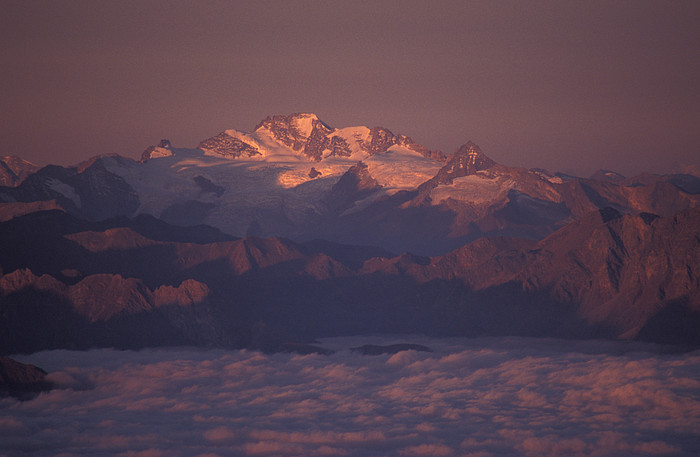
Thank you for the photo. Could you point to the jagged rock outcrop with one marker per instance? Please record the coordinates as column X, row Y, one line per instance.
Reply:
column 14, row 170
column 287, row 177
column 21, row 380
column 487, row 248
column 301, row 132
column 339, row 147
column 227, row 146
column 381, row 139
column 101, row 297
column 468, row 160
column 311, row 138
column 188, row 293
column 89, row 190
column 606, row 275
column 356, row 184
column 164, row 149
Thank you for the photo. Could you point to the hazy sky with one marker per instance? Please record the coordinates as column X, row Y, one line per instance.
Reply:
column 569, row 86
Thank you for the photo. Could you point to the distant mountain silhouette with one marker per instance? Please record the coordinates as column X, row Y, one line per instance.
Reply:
column 130, row 283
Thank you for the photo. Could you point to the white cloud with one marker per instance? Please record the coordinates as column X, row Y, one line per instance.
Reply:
column 485, row 397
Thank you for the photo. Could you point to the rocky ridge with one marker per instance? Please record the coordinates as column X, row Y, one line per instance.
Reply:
column 14, row 170
column 21, row 380
column 311, row 138
column 296, row 177
column 606, row 275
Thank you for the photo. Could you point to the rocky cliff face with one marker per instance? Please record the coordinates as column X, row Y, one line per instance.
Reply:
column 357, row 183
column 286, row 179
column 164, row 149
column 89, row 190
column 227, row 146
column 14, row 170
column 606, row 275
column 311, row 138
column 487, row 248
column 21, row 380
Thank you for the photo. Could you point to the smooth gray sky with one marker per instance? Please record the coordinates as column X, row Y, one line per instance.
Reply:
column 568, row 86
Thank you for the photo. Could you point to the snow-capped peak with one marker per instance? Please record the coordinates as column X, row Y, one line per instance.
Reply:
column 164, row 149
column 305, row 123
column 304, row 138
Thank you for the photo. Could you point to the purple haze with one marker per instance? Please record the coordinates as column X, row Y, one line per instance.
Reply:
column 569, row 86
column 483, row 397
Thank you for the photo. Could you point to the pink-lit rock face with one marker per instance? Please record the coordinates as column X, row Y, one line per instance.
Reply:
column 491, row 397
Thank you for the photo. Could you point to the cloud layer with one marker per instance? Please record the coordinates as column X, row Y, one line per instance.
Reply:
column 486, row 397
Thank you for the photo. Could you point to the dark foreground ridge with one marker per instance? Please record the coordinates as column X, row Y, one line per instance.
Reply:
column 20, row 380
column 68, row 283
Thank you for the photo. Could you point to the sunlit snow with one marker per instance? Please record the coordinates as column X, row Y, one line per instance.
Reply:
column 401, row 168
column 476, row 189
column 66, row 190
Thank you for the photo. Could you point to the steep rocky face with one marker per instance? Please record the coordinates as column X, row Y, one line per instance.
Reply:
column 301, row 132
column 356, row 184
column 164, row 149
column 89, row 191
column 101, row 297
column 621, row 269
column 14, row 170
column 318, row 141
column 282, row 180
column 403, row 140
column 606, row 275
column 188, row 293
column 106, row 310
column 7, row 176
column 659, row 196
column 227, row 146
column 24, row 278
column 380, row 140
column 21, row 380
column 618, row 270
column 313, row 139
column 339, row 147
column 468, row 160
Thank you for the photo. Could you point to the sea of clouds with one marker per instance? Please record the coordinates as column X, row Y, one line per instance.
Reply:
column 478, row 397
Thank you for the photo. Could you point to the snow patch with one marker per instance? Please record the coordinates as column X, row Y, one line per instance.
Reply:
column 474, row 189
column 356, row 137
column 66, row 190
column 304, row 123
column 159, row 152
column 401, row 168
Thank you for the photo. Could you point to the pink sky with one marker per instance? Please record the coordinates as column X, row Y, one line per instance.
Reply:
column 569, row 86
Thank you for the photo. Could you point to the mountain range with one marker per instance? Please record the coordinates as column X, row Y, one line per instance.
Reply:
column 297, row 178
column 295, row 231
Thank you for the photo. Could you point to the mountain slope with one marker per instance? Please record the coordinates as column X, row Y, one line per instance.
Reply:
column 605, row 275
column 14, row 170
column 21, row 380
column 296, row 177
